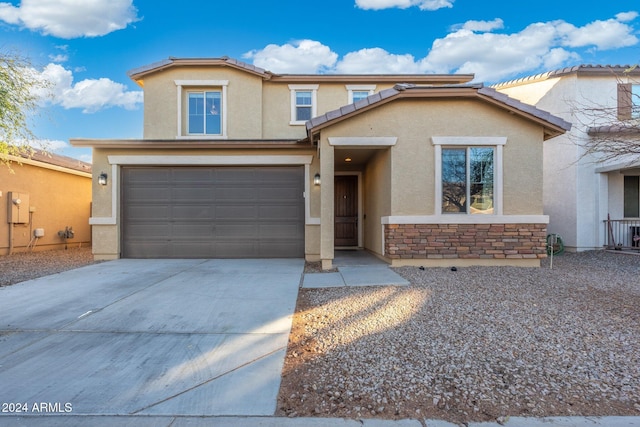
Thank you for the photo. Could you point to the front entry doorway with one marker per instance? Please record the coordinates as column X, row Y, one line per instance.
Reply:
column 346, row 210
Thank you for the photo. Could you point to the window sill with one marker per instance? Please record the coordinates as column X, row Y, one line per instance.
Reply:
column 298, row 123
column 191, row 137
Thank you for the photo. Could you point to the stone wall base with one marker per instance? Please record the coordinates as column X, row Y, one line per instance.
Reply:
column 465, row 242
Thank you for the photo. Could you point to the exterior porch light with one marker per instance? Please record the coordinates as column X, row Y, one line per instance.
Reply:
column 102, row 179
column 316, row 179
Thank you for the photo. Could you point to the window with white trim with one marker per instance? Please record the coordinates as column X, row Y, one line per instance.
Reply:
column 202, row 108
column 468, row 175
column 358, row 92
column 303, row 103
column 467, row 180
column 204, row 112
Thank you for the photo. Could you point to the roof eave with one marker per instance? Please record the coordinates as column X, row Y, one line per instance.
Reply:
column 368, row 78
column 188, row 143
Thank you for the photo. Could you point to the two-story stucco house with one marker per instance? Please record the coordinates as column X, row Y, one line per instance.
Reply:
column 237, row 161
column 583, row 189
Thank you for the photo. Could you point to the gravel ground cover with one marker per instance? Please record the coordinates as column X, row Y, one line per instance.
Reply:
column 476, row 344
column 23, row 266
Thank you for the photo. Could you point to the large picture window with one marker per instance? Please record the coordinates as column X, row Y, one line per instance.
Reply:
column 205, row 113
column 468, row 180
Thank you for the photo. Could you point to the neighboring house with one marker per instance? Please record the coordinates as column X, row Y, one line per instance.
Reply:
column 41, row 196
column 580, row 189
column 237, row 161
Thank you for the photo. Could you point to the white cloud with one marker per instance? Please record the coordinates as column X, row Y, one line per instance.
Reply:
column 609, row 34
column 70, row 18
column 474, row 47
column 494, row 56
column 91, row 95
column 59, row 58
column 403, row 4
column 303, row 56
column 376, row 60
column 626, row 16
column 496, row 24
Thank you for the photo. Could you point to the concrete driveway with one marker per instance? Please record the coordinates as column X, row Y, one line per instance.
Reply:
column 149, row 337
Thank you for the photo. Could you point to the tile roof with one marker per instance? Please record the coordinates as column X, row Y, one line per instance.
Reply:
column 583, row 69
column 42, row 156
column 405, row 90
column 139, row 73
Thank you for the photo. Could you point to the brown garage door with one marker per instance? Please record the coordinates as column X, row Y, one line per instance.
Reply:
column 212, row 212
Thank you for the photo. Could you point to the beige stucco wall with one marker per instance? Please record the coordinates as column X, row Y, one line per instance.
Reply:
column 400, row 180
column 414, row 122
column 244, row 101
column 377, row 198
column 57, row 200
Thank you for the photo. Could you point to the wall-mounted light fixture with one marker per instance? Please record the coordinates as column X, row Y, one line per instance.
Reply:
column 316, row 179
column 102, row 179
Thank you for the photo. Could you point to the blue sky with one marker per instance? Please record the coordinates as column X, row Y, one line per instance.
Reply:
column 86, row 47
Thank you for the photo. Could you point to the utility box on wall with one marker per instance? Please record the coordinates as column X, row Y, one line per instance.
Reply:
column 18, row 209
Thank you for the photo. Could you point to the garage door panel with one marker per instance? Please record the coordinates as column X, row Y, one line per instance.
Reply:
column 152, row 175
column 146, row 212
column 212, row 212
column 279, row 212
column 236, row 231
column 190, row 176
column 200, row 213
column 192, row 232
column 142, row 249
column 143, row 231
column 156, row 193
column 196, row 194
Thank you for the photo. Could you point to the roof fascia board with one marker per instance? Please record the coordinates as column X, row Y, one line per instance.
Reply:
column 369, row 78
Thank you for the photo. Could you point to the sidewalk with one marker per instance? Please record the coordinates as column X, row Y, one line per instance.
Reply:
column 170, row 421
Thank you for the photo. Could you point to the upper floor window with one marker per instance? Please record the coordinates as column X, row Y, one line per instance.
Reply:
column 358, row 92
column 468, row 175
column 202, row 108
column 205, row 113
column 303, row 103
column 628, row 101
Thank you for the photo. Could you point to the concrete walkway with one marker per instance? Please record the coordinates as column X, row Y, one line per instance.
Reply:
column 355, row 268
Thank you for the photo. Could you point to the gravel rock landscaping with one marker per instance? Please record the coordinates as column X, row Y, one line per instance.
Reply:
column 476, row 344
column 23, row 266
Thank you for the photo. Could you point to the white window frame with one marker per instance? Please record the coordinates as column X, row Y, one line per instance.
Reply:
column 314, row 102
column 202, row 85
column 496, row 142
column 359, row 88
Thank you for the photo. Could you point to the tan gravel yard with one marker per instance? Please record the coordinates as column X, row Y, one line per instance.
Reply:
column 31, row 265
column 473, row 344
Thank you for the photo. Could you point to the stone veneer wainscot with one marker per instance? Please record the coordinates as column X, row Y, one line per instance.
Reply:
column 465, row 241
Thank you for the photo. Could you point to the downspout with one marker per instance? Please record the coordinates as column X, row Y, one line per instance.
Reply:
column 10, row 238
